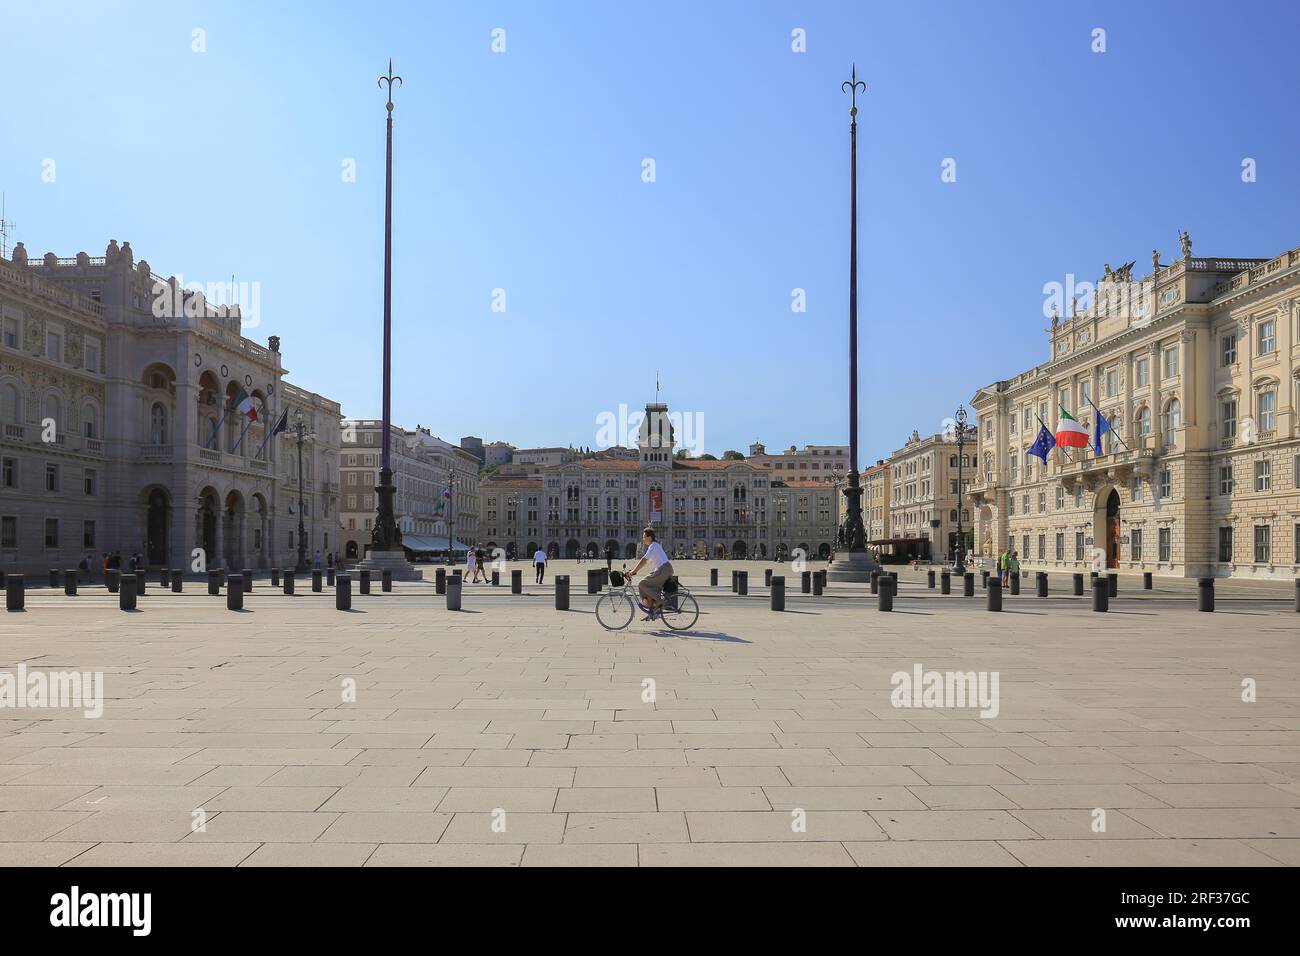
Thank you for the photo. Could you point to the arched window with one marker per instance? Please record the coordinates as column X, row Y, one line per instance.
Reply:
column 1266, row 407
column 157, row 425
column 89, row 421
column 1173, row 421
column 54, row 410
column 11, row 409
column 1142, row 425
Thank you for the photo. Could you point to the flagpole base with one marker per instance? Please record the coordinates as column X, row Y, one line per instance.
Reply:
column 852, row 566
column 377, row 562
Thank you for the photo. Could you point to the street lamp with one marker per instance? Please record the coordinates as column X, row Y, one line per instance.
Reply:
column 512, row 503
column 300, row 431
column 964, row 432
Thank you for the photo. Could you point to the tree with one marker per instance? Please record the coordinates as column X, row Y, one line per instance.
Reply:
column 707, row 457
column 732, row 455
column 682, row 454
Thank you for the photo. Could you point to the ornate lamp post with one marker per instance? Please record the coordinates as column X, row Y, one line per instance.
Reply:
column 301, row 433
column 964, row 433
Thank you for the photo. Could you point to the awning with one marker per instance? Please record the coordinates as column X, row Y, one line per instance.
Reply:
column 418, row 542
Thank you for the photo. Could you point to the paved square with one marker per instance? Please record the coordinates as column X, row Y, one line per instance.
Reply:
column 513, row 734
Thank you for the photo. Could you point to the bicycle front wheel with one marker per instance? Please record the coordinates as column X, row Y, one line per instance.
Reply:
column 614, row 611
column 680, row 612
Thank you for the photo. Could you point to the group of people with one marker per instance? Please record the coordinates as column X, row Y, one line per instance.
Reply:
column 112, row 561
column 1008, row 565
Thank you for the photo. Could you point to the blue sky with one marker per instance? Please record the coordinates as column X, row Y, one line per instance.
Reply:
column 522, row 171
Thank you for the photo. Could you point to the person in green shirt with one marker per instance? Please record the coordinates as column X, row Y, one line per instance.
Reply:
column 1002, row 565
column 1013, row 566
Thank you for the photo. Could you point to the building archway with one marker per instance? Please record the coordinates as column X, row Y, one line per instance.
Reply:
column 738, row 550
column 261, row 528
column 720, row 552
column 232, row 531
column 630, row 551
column 782, row 552
column 157, row 526
column 350, row 551
column 611, row 548
column 553, row 550
column 205, row 531
column 824, row 550
column 571, row 548
column 591, row 551
column 1106, row 525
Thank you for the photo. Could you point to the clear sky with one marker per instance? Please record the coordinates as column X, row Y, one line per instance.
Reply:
column 523, row 171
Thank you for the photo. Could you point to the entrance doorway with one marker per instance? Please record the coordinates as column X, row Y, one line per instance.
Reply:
column 1112, row 529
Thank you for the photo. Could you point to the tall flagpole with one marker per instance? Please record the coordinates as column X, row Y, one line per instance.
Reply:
column 855, row 533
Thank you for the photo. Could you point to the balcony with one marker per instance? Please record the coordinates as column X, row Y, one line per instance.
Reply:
column 14, row 432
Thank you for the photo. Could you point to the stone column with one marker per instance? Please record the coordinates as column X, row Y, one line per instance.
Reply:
column 1157, row 404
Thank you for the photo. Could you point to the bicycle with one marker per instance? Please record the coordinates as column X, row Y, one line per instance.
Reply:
column 617, row 607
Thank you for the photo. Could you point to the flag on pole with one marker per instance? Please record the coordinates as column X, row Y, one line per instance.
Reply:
column 1045, row 442
column 1069, row 433
column 280, row 426
column 1102, row 427
column 245, row 405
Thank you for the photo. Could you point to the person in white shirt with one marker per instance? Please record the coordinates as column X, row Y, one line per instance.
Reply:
column 471, row 564
column 539, row 561
column 661, row 569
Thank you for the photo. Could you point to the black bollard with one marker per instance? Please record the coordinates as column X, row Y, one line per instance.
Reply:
column 561, row 592
column 164, row 577
column 386, row 580
column 1205, row 594
column 317, row 583
column 945, row 583
column 735, row 582
column 1092, row 579
column 1015, row 587
column 214, row 582
column 1041, row 583
column 516, row 581
column 178, row 580
column 70, row 583
column 885, row 594
column 817, row 582
column 235, row 592
column 1112, row 584
column 968, row 584
column 1100, row 595
column 15, row 597
column 329, row 577
column 222, row 573
column 742, row 582
column 995, row 594
column 929, row 579
column 54, row 578
column 1146, row 580
column 1078, row 585
column 275, row 577
column 140, row 583
column 363, row 585
column 767, row 577
column 112, row 580
column 126, row 593
column 453, row 592
column 496, row 578
column 713, row 577
column 593, row 582
column 440, row 580
column 984, row 579
column 288, row 582
column 778, row 593
column 248, row 580
column 343, row 592
column 875, row 582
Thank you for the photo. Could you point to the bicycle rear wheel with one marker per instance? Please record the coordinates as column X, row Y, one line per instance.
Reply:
column 614, row 611
column 680, row 611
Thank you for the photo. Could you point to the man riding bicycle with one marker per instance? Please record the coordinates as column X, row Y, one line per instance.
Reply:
column 661, row 569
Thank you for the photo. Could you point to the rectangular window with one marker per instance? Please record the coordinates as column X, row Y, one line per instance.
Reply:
column 1011, row 504
column 51, row 477
column 1296, row 538
column 1142, row 372
column 1230, row 418
column 1171, row 362
column 1229, row 349
column 9, row 473
column 1164, row 545
column 1078, row 546
column 1225, row 545
column 1112, row 383
column 1042, row 502
column 54, row 346
column 88, row 534
column 1060, row 546
column 1225, row 479
column 1135, row 544
column 1166, row 484
column 1024, row 547
column 1267, row 410
column 1262, row 543
column 51, row 532
column 8, row 531
column 1263, row 475
column 11, row 333
column 1267, row 337
column 1085, row 394
column 1042, row 546
column 92, row 356
column 91, row 482
column 1137, row 488
column 1060, row 498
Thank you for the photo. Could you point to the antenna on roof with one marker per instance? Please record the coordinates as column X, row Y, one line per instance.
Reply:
column 5, row 226
column 656, row 386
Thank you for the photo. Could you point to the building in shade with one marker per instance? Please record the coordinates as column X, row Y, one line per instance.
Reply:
column 135, row 416
column 1195, row 368
column 813, row 462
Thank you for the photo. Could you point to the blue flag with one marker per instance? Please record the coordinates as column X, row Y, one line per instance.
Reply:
column 1045, row 442
column 1098, row 430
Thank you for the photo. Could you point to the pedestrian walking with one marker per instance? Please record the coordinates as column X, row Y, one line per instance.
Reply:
column 539, row 562
column 480, row 563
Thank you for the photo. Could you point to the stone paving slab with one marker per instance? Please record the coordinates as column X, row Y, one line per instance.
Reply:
column 512, row 734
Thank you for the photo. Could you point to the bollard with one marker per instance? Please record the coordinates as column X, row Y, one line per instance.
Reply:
column 1205, row 594
column 317, row 581
column 875, row 582
column 593, row 582
column 214, row 581
column 164, row 577
column 248, row 580
column 984, row 579
column 778, row 593
column 386, row 581
column 516, row 582
column 440, row 581
column 54, row 578
column 275, row 577
column 735, row 581
column 178, row 581
column 713, row 577
column 767, row 577
column 140, row 583
column 1146, row 580
column 1297, row 595
column 1100, row 595
column 235, row 592
column 126, row 593
column 70, row 583
column 1078, row 585
column 363, row 586
column 222, row 573
column 453, row 592
column 15, row 598
column 1015, row 587
column 1092, row 579
column 2, row 579
column 817, row 582
column 1041, row 583
column 112, row 579
column 805, row 582
column 288, row 582
column 929, row 579
column 1112, row 583
column 742, row 582
column 496, row 578
column 561, row 592
column 995, row 594
column 343, row 592
column 885, row 594
column 329, row 577
column 968, row 584
column 945, row 583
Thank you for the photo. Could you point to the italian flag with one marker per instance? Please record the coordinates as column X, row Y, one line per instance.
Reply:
column 1069, row 433
column 246, row 406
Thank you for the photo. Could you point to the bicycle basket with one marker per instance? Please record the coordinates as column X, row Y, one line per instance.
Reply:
column 616, row 579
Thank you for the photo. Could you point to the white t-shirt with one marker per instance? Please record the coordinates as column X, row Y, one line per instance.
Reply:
column 539, row 557
column 471, row 561
column 655, row 557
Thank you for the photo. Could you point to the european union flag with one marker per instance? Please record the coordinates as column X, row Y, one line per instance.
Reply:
column 1045, row 442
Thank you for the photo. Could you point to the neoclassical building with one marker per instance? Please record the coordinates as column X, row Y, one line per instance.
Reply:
column 120, row 427
column 701, row 508
column 1195, row 367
